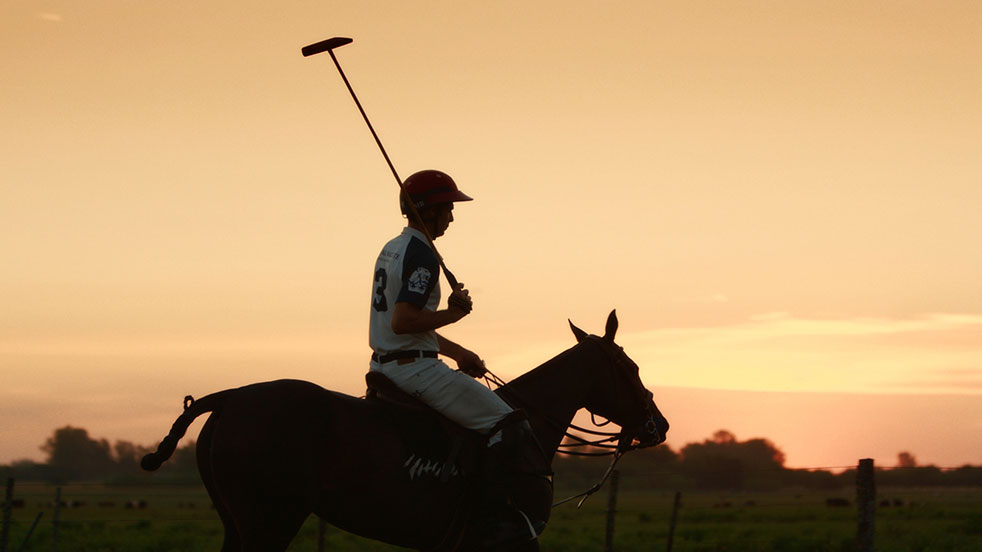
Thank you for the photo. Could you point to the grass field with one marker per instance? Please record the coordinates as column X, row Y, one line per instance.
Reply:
column 181, row 519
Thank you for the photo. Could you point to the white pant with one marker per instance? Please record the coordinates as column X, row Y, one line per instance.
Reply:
column 450, row 392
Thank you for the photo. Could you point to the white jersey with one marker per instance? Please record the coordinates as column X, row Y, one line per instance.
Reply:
column 407, row 270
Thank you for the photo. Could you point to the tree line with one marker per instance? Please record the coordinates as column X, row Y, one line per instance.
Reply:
column 719, row 462
column 72, row 455
column 726, row 463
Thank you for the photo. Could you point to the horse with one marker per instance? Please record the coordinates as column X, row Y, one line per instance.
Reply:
column 272, row 453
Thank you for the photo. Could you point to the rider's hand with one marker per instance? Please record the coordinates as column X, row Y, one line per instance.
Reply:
column 460, row 300
column 469, row 363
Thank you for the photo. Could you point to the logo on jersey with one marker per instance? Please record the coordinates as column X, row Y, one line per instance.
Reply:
column 419, row 280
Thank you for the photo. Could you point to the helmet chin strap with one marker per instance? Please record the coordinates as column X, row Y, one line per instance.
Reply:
column 418, row 222
column 425, row 224
column 433, row 221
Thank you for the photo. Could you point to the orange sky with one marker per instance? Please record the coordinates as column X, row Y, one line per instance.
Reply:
column 780, row 199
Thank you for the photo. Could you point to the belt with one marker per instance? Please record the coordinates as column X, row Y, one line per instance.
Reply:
column 399, row 355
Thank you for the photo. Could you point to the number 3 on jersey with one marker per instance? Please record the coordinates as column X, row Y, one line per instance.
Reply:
column 378, row 300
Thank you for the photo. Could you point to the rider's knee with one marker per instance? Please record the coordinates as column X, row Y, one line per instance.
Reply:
column 511, row 432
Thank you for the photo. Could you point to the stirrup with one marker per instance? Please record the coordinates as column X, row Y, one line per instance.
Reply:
column 534, row 534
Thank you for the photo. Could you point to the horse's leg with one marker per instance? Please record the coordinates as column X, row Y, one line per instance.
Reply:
column 264, row 491
column 269, row 526
column 232, row 542
column 265, row 521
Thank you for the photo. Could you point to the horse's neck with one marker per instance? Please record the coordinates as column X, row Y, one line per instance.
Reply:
column 552, row 394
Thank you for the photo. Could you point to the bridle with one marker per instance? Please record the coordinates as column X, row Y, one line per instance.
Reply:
column 624, row 438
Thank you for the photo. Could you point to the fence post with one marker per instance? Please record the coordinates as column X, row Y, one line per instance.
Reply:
column 8, row 503
column 611, row 510
column 675, row 517
column 866, row 503
column 54, row 520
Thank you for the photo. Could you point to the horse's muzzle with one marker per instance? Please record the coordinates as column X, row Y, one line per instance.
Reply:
column 651, row 432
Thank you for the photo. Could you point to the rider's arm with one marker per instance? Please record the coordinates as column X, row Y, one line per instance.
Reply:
column 407, row 318
column 450, row 349
column 467, row 360
column 411, row 318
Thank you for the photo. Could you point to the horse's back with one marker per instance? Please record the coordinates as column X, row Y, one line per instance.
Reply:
column 350, row 460
column 289, row 408
column 290, row 390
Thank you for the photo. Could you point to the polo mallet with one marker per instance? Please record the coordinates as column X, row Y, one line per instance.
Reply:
column 328, row 46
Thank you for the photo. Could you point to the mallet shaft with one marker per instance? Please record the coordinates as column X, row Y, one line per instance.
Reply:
column 328, row 46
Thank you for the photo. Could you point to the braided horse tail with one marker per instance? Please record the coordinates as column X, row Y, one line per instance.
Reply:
column 192, row 409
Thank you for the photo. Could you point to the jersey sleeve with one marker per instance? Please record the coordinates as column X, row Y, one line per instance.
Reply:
column 420, row 271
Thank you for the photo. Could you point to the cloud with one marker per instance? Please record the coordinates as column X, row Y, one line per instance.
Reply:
column 963, row 379
column 782, row 323
column 944, row 385
column 779, row 351
column 50, row 16
column 782, row 352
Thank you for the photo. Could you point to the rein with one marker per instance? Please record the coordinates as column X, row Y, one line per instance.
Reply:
column 491, row 378
column 596, row 487
column 609, row 436
column 606, row 437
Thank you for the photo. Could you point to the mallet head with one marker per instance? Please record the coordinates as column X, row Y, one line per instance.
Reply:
column 324, row 45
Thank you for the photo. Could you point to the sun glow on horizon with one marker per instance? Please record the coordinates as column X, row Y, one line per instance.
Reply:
column 942, row 353
column 779, row 198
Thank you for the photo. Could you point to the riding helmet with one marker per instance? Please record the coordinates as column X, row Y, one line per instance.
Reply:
column 428, row 188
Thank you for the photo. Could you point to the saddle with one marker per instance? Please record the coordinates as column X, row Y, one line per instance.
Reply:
column 380, row 387
column 428, row 433
column 464, row 451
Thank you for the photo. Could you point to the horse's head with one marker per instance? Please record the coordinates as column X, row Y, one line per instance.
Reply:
column 622, row 398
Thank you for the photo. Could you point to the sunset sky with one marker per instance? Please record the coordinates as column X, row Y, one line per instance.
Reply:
column 781, row 200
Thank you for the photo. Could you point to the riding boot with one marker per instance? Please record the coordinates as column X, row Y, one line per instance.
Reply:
column 500, row 522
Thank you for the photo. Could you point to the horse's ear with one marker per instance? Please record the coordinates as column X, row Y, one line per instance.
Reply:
column 611, row 326
column 580, row 334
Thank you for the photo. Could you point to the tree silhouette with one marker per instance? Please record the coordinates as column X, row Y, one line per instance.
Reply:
column 723, row 462
column 906, row 460
column 719, row 462
column 723, row 437
column 128, row 456
column 72, row 454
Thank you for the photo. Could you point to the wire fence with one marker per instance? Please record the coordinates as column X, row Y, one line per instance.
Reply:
column 630, row 512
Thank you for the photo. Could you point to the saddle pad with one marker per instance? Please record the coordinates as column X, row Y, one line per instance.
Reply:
column 427, row 432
